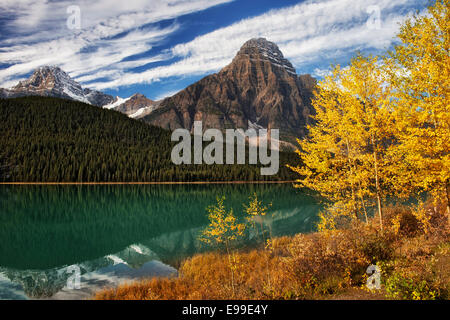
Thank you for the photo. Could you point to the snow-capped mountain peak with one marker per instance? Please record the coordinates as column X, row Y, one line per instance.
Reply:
column 52, row 81
column 52, row 78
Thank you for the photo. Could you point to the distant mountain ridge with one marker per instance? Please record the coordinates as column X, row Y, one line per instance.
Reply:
column 52, row 81
column 258, row 89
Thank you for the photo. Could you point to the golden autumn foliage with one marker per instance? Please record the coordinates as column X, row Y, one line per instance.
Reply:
column 382, row 126
column 256, row 211
column 420, row 67
column 223, row 229
column 344, row 154
column 255, row 207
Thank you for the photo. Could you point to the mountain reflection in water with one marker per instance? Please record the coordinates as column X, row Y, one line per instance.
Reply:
column 118, row 233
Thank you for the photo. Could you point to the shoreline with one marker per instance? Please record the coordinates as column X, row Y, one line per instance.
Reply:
column 146, row 183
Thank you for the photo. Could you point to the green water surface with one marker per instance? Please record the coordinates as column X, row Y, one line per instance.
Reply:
column 121, row 231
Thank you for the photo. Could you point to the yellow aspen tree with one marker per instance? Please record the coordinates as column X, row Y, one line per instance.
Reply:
column 421, row 78
column 365, row 82
column 223, row 229
column 324, row 153
column 343, row 156
column 256, row 212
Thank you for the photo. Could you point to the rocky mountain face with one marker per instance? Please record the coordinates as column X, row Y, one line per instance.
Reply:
column 260, row 88
column 136, row 105
column 97, row 98
column 53, row 82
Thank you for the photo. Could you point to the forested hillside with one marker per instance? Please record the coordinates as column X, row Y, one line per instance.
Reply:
column 56, row 140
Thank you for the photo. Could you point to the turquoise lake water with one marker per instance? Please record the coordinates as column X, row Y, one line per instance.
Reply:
column 66, row 241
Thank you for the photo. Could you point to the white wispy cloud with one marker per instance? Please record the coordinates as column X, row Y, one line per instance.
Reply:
column 307, row 33
column 111, row 32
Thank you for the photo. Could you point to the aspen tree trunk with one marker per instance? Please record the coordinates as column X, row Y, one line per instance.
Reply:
column 362, row 202
column 364, row 209
column 377, row 183
column 447, row 189
column 355, row 210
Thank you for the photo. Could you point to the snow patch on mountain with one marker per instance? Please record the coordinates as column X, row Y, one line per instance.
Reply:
column 252, row 125
column 116, row 259
column 143, row 111
column 117, row 102
column 75, row 96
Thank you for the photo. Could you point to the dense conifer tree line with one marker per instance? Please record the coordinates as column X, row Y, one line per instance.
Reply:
column 55, row 140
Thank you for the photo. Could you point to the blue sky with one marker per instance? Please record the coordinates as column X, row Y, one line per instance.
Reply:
column 158, row 47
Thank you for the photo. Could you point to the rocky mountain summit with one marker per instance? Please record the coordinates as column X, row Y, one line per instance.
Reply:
column 260, row 88
column 51, row 81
